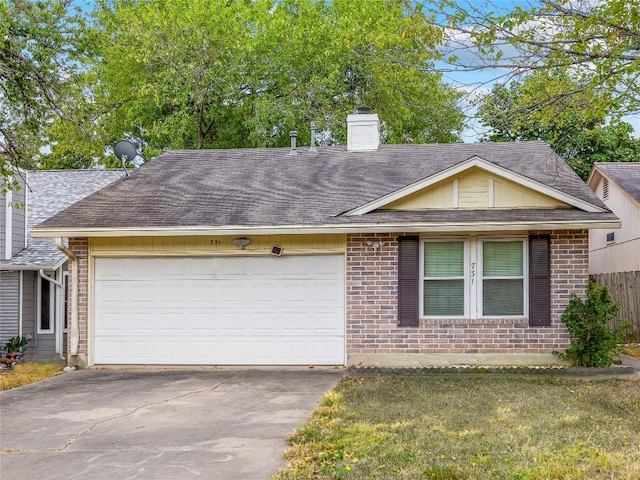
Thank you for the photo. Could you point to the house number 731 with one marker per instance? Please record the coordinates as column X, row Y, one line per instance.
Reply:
column 473, row 272
column 215, row 242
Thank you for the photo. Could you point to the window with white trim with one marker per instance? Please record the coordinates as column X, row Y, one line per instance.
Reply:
column 502, row 278
column 443, row 278
column 46, row 305
column 474, row 277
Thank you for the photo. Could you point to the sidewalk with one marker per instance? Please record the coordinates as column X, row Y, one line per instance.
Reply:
column 628, row 361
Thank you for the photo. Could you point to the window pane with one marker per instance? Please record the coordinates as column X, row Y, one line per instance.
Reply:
column 502, row 259
column 443, row 259
column 503, row 297
column 45, row 321
column 444, row 297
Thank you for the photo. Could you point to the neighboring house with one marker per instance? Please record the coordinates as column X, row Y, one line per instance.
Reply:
column 618, row 185
column 365, row 254
column 614, row 256
column 33, row 271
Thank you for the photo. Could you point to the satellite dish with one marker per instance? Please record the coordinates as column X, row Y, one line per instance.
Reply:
column 125, row 150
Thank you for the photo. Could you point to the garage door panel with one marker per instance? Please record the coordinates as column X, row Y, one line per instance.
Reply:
column 235, row 350
column 234, row 310
column 327, row 291
column 200, row 295
column 230, row 292
column 232, row 267
column 125, row 292
column 141, row 324
column 198, row 268
column 324, row 322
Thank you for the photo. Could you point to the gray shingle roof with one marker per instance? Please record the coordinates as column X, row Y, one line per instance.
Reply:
column 625, row 174
column 269, row 187
column 50, row 192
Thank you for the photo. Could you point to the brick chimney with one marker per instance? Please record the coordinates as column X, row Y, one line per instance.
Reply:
column 363, row 130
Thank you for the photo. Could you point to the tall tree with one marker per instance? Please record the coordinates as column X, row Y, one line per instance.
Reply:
column 596, row 42
column 578, row 133
column 40, row 45
column 236, row 73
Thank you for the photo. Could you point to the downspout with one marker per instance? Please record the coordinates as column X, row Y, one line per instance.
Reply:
column 58, row 315
column 20, row 305
column 55, row 282
column 73, row 260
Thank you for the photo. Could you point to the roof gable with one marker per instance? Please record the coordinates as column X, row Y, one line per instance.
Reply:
column 624, row 174
column 473, row 183
column 475, row 188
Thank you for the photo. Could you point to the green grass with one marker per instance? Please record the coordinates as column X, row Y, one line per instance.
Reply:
column 471, row 426
column 26, row 373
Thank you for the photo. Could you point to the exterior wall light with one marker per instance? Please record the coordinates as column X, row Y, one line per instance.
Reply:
column 241, row 242
column 375, row 245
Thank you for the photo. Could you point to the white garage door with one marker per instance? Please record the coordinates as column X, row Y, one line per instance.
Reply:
column 207, row 311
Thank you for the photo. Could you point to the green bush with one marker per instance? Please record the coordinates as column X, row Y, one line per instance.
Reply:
column 16, row 344
column 593, row 342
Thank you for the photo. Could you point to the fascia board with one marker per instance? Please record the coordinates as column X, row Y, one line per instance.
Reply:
column 595, row 172
column 327, row 229
column 31, row 267
column 461, row 167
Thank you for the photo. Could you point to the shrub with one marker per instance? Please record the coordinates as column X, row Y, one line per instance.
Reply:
column 593, row 342
column 16, row 344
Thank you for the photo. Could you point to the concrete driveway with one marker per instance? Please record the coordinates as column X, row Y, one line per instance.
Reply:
column 156, row 424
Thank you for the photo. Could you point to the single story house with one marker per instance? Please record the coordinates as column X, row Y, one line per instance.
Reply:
column 33, row 271
column 367, row 254
column 618, row 185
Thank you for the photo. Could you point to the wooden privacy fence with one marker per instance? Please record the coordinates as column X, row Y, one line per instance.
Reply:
column 624, row 287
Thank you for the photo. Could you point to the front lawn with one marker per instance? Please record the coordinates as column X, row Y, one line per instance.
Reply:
column 26, row 373
column 471, row 426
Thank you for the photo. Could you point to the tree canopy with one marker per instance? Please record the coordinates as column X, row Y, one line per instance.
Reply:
column 596, row 42
column 40, row 45
column 577, row 133
column 223, row 74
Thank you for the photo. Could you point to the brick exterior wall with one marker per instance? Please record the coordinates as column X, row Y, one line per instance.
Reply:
column 372, row 310
column 80, row 246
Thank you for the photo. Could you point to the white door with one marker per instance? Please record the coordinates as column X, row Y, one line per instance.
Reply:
column 217, row 311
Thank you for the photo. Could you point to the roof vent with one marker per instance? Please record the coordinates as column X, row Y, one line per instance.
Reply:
column 363, row 130
column 313, row 148
column 293, row 134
